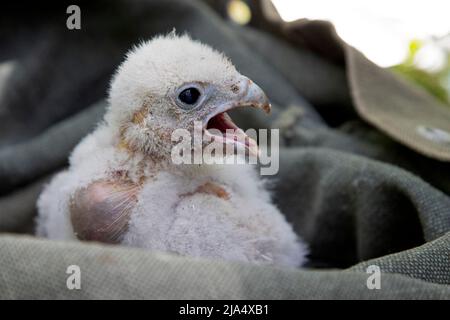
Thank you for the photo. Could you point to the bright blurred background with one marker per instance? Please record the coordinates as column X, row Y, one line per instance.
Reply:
column 412, row 37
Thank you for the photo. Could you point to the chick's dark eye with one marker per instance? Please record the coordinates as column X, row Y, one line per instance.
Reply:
column 189, row 96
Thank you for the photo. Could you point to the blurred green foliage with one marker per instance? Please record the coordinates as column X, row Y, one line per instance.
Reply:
column 435, row 82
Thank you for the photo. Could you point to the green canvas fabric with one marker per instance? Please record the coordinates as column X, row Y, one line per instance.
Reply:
column 428, row 262
column 357, row 180
column 119, row 273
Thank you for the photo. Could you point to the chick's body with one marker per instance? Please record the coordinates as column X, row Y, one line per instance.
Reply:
column 117, row 189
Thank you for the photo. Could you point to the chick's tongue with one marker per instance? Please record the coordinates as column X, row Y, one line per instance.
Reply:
column 231, row 132
column 222, row 122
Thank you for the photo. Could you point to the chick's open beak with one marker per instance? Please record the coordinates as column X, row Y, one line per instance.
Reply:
column 245, row 93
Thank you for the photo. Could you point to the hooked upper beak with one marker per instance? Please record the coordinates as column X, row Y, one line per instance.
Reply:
column 246, row 94
column 250, row 94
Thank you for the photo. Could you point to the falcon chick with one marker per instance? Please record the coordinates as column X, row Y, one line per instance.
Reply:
column 122, row 186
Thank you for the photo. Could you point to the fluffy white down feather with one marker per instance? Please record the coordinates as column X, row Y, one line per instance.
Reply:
column 169, row 214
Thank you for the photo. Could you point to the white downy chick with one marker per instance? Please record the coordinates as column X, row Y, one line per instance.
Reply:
column 122, row 186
